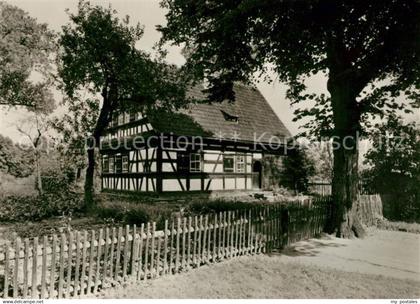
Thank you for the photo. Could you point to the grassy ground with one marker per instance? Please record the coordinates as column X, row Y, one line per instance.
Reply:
column 399, row 226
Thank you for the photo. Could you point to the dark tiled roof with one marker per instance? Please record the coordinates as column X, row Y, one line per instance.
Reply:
column 255, row 118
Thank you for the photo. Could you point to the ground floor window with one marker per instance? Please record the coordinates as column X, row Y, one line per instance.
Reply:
column 118, row 164
column 195, row 162
column 183, row 162
column 240, row 164
column 228, row 163
column 105, row 164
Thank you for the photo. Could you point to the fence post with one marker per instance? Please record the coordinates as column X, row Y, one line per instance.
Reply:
column 200, row 226
column 146, row 252
column 25, row 269
column 140, row 253
column 98, row 260
column 118, row 254
column 69, row 261
column 16, row 271
column 152, row 251
column 249, row 244
column 44, row 267
column 159, row 240
column 91, row 256
column 208, row 227
column 215, row 238
column 6, row 271
column 165, row 250
column 285, row 227
column 53, row 266
column 178, row 229
column 126, row 250
column 77, row 272
column 194, row 255
column 133, row 252
column 61, row 269
column 204, row 251
column 183, row 255
column 171, row 255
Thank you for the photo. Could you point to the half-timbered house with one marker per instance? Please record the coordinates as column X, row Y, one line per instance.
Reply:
column 205, row 147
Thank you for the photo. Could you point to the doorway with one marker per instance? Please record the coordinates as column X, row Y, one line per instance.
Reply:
column 256, row 174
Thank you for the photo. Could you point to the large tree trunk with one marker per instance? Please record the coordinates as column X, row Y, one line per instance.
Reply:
column 89, row 179
column 109, row 98
column 345, row 222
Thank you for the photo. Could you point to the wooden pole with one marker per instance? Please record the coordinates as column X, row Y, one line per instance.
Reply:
column 77, row 264
column 16, row 271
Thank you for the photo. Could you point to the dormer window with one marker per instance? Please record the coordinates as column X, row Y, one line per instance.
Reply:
column 230, row 117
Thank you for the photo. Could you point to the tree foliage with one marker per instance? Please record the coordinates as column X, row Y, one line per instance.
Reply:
column 367, row 50
column 368, row 43
column 14, row 159
column 394, row 161
column 98, row 54
column 26, row 50
column 298, row 168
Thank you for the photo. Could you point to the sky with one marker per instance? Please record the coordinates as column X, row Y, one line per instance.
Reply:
column 149, row 14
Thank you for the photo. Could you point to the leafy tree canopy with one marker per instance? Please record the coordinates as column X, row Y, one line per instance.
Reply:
column 26, row 48
column 298, row 168
column 394, row 161
column 364, row 43
column 368, row 51
column 395, row 148
column 15, row 160
column 98, row 53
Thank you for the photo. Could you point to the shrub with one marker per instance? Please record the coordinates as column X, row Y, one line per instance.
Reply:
column 23, row 208
column 136, row 217
column 57, row 180
column 217, row 206
column 110, row 213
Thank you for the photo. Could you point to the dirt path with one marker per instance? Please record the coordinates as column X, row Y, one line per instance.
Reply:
column 389, row 253
column 384, row 265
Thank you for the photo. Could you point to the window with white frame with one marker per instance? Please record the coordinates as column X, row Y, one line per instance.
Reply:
column 240, row 164
column 125, row 163
column 105, row 164
column 195, row 162
column 111, row 164
column 121, row 119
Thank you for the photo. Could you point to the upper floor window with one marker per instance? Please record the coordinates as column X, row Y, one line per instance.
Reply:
column 111, row 168
column 240, row 163
column 228, row 163
column 195, row 162
column 125, row 164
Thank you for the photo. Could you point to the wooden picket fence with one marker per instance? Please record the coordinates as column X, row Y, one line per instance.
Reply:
column 77, row 263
